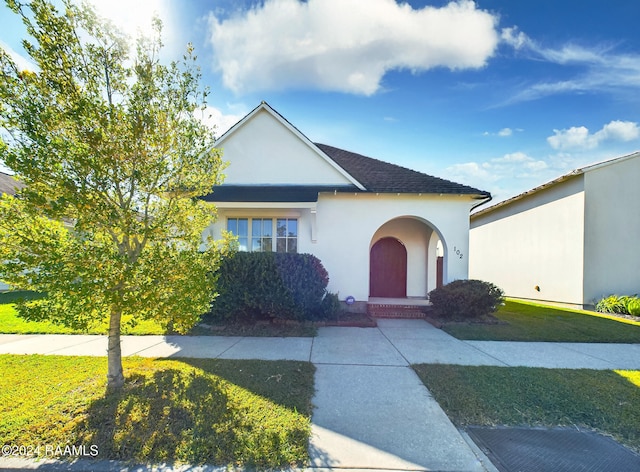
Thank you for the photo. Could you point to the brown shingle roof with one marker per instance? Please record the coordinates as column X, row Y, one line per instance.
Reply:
column 8, row 184
column 380, row 176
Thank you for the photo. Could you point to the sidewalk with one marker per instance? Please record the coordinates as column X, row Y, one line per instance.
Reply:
column 393, row 342
column 371, row 410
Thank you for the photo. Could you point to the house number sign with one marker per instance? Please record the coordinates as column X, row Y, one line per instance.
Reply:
column 457, row 252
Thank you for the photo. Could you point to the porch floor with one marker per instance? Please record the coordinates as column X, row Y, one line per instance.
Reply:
column 409, row 301
column 378, row 307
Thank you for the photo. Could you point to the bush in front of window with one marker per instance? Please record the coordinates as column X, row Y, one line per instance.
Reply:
column 464, row 299
column 265, row 285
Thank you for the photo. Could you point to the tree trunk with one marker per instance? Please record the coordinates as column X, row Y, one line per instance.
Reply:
column 115, row 377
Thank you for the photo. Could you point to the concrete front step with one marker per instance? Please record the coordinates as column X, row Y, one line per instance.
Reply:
column 383, row 310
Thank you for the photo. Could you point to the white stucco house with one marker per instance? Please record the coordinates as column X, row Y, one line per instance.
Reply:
column 570, row 241
column 380, row 230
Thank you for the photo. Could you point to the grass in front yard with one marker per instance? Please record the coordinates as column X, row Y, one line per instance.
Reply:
column 220, row 412
column 608, row 401
column 11, row 323
column 533, row 322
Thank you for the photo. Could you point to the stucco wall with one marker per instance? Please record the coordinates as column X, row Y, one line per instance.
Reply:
column 346, row 225
column 612, row 232
column 263, row 150
column 537, row 241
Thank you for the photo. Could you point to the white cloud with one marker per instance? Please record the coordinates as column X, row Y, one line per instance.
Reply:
column 22, row 62
column 516, row 164
column 503, row 133
column 599, row 67
column 339, row 45
column 133, row 17
column 471, row 173
column 215, row 119
column 514, row 38
column 620, row 131
column 502, row 176
column 579, row 137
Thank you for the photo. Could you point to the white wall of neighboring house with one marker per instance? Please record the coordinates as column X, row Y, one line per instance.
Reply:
column 577, row 238
column 612, row 233
column 536, row 241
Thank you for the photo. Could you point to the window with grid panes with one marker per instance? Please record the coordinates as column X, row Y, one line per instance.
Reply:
column 261, row 236
column 287, row 235
column 239, row 227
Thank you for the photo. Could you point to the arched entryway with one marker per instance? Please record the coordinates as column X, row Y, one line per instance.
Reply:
column 388, row 269
column 423, row 249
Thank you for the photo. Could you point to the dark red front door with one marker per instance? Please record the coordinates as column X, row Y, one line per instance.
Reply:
column 388, row 269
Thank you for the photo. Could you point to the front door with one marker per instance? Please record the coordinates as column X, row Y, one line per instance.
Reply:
column 388, row 269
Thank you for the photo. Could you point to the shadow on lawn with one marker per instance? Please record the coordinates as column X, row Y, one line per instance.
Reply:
column 195, row 416
column 164, row 419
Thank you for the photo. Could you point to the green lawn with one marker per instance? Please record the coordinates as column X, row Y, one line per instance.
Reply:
column 220, row 412
column 533, row 322
column 608, row 401
column 10, row 323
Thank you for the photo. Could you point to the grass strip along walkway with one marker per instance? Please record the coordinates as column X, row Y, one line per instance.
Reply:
column 607, row 401
column 196, row 411
column 518, row 321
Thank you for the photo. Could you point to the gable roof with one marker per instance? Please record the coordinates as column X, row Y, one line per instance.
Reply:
column 562, row 178
column 383, row 177
column 364, row 174
column 264, row 106
column 8, row 184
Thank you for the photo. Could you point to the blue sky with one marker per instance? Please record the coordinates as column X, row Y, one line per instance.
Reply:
column 502, row 95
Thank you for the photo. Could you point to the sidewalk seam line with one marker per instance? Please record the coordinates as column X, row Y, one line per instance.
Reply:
column 394, row 346
column 230, row 347
column 465, row 341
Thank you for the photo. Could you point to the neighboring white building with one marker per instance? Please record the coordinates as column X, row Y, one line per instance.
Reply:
column 378, row 228
column 570, row 241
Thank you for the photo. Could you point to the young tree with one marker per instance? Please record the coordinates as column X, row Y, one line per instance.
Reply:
column 114, row 158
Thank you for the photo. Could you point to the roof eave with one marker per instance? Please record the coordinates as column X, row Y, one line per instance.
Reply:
column 528, row 193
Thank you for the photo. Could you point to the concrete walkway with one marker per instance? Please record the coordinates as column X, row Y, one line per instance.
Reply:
column 371, row 410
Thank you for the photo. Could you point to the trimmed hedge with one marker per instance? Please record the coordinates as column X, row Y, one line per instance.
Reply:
column 463, row 299
column 263, row 285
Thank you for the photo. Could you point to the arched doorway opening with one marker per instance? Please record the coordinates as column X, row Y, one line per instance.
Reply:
column 418, row 244
column 388, row 269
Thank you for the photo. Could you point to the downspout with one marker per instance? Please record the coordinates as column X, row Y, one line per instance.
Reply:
column 487, row 200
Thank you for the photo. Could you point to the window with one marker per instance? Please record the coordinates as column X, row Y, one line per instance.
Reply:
column 239, row 227
column 287, row 235
column 261, row 236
